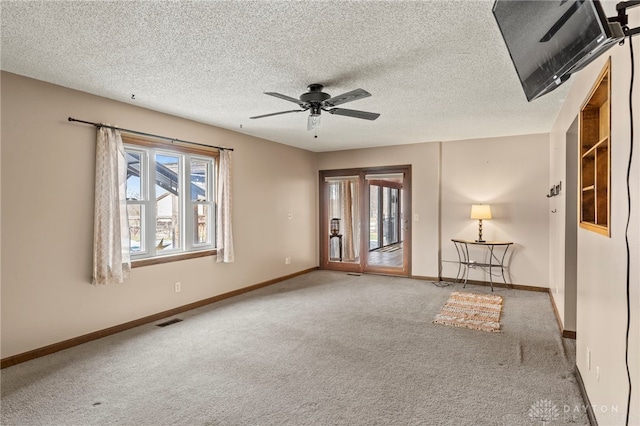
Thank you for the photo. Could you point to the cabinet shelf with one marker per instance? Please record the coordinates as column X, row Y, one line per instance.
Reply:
column 595, row 131
column 599, row 144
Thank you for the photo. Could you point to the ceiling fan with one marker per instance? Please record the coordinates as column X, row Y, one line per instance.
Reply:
column 316, row 101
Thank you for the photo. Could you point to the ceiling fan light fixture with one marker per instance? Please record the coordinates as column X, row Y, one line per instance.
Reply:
column 314, row 121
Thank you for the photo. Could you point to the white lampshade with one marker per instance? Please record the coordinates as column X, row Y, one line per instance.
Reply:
column 480, row 211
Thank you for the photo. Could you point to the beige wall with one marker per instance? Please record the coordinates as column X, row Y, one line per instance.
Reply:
column 510, row 173
column 601, row 281
column 47, row 217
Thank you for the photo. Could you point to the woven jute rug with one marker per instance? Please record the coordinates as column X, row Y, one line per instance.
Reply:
column 472, row 310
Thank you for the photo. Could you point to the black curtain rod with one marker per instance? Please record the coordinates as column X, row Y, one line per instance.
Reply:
column 150, row 134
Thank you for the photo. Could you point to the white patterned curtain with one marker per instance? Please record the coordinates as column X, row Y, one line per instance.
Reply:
column 224, row 234
column 349, row 198
column 111, row 260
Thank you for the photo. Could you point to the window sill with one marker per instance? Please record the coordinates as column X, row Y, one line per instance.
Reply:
column 173, row 258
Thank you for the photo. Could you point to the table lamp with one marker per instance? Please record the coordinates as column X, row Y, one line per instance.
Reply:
column 335, row 226
column 480, row 211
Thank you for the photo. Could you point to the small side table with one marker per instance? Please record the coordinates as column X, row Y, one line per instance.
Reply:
column 339, row 237
column 465, row 262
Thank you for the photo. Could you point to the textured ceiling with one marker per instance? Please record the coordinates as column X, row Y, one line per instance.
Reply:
column 437, row 70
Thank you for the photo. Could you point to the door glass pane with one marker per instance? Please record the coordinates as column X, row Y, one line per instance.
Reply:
column 386, row 216
column 401, row 209
column 374, row 217
column 394, row 213
column 344, row 217
column 167, row 202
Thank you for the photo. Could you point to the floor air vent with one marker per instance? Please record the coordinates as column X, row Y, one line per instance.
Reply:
column 166, row 323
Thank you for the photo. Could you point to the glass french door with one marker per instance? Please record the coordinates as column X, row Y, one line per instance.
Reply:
column 364, row 220
column 386, row 232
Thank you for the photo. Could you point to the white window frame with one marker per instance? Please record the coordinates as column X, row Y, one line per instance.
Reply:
column 188, row 247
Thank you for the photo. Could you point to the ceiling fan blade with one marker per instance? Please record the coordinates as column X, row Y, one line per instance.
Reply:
column 353, row 113
column 348, row 97
column 286, row 98
column 277, row 113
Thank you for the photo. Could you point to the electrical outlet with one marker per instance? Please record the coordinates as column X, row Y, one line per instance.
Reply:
column 588, row 359
column 287, row 260
column 597, row 373
column 289, row 215
column 177, row 287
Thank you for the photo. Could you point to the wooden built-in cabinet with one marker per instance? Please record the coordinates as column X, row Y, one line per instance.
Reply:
column 595, row 154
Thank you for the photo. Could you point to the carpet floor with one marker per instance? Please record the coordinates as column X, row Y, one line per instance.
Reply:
column 324, row 348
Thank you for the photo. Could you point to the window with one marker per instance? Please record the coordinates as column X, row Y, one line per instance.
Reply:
column 170, row 199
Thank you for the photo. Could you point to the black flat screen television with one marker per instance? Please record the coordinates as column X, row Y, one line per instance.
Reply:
column 550, row 39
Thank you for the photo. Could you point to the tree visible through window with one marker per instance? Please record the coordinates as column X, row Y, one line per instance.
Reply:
column 170, row 199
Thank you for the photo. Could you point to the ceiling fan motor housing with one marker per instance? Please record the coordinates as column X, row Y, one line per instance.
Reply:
column 315, row 94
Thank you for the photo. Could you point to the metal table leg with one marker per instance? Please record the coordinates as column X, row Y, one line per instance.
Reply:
column 466, row 263
column 502, row 264
column 491, row 256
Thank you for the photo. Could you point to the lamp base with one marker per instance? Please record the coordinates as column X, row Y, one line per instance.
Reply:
column 480, row 240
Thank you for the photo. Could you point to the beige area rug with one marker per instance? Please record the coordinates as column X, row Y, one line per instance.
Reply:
column 472, row 310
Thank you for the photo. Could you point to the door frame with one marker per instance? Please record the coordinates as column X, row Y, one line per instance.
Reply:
column 363, row 206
